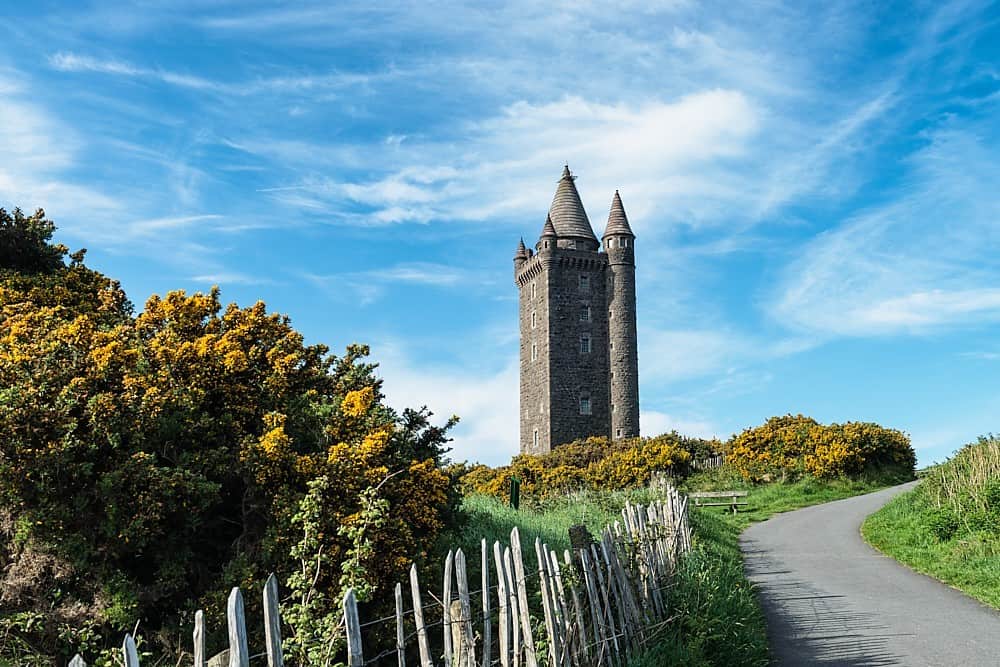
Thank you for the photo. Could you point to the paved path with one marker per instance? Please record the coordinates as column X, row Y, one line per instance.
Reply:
column 830, row 599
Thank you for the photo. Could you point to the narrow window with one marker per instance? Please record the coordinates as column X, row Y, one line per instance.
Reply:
column 624, row 243
column 534, row 318
column 618, row 433
column 611, row 344
column 611, row 314
column 571, row 245
column 534, row 352
column 541, row 407
column 585, row 403
column 612, row 375
column 584, row 343
column 584, row 313
column 532, row 290
column 584, row 283
column 614, row 408
column 546, row 244
column 535, row 437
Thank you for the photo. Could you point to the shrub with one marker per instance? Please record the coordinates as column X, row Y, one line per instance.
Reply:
column 789, row 447
column 596, row 462
column 148, row 460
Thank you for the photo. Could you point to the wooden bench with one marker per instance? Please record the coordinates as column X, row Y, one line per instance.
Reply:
column 704, row 499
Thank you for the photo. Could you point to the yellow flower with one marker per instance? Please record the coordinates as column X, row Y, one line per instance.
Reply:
column 356, row 403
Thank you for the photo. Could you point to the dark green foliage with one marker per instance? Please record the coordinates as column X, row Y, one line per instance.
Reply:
column 942, row 522
column 24, row 243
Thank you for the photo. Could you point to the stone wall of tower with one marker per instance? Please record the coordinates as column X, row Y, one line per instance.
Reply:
column 573, row 373
column 623, row 345
column 533, row 299
column 570, row 292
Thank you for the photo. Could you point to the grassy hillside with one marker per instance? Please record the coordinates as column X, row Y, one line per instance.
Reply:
column 719, row 621
column 717, row 618
column 949, row 526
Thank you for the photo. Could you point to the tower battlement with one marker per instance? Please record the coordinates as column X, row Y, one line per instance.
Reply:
column 576, row 303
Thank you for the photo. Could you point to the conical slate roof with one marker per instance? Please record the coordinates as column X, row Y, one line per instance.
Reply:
column 548, row 229
column 617, row 220
column 521, row 250
column 567, row 214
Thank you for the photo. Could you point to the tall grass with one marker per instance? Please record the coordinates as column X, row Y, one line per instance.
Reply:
column 949, row 526
column 491, row 518
column 970, row 480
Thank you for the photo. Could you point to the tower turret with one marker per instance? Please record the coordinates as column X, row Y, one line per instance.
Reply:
column 548, row 240
column 619, row 246
column 569, row 219
column 520, row 256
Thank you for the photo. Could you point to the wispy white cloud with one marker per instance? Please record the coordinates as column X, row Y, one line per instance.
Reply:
column 506, row 164
column 74, row 62
column 985, row 356
column 38, row 151
column 177, row 222
column 232, row 278
column 372, row 284
column 923, row 260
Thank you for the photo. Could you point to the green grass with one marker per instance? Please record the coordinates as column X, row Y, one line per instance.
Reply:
column 962, row 549
column 719, row 621
column 493, row 519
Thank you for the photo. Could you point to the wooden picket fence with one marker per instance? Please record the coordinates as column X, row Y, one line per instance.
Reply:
column 709, row 463
column 601, row 604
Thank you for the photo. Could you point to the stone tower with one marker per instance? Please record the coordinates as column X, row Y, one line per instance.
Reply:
column 576, row 304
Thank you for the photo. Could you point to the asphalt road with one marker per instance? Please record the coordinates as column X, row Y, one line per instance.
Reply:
column 830, row 599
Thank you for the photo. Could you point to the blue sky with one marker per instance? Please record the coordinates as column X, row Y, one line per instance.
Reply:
column 814, row 186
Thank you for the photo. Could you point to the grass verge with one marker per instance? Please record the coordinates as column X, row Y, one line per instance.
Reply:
column 718, row 619
column 949, row 526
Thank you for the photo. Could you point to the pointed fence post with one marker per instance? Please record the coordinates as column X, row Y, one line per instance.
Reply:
column 418, row 619
column 468, row 638
column 600, row 631
column 562, row 609
column 199, row 638
column 550, row 627
column 449, row 647
column 239, row 654
column 129, row 653
column 487, row 625
column 503, row 596
column 580, row 651
column 515, row 614
column 400, row 634
column 272, row 623
column 355, row 654
column 522, row 599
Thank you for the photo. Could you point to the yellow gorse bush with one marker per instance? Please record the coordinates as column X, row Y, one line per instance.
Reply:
column 792, row 446
column 595, row 462
column 165, row 454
